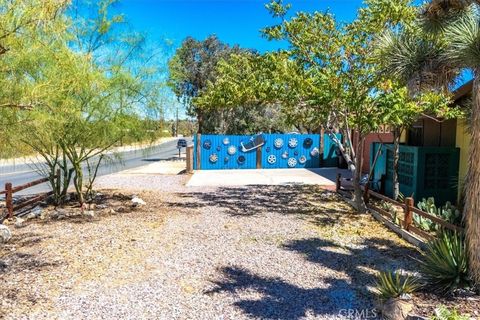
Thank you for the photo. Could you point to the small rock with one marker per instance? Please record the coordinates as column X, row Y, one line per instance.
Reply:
column 101, row 206
column 137, row 202
column 5, row 234
column 3, row 265
column 58, row 214
column 396, row 309
column 112, row 211
column 34, row 213
column 89, row 213
column 19, row 223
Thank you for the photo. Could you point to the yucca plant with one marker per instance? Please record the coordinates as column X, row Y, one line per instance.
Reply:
column 445, row 263
column 392, row 284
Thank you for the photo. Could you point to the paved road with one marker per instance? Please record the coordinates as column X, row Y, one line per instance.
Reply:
column 22, row 173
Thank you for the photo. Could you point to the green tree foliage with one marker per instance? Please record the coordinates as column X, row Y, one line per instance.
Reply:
column 84, row 89
column 445, row 41
column 192, row 67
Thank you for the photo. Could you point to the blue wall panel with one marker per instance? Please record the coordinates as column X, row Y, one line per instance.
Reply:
column 219, row 147
column 300, row 150
column 285, row 152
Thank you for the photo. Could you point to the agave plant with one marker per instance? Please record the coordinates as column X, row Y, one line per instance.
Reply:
column 391, row 285
column 445, row 263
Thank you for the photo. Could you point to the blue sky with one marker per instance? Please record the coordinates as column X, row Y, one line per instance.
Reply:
column 233, row 21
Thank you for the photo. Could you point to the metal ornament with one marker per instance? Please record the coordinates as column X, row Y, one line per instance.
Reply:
column 226, row 159
column 213, row 158
column 296, row 153
column 292, row 142
column 285, row 155
column 307, row 143
column 226, row 141
column 314, row 152
column 219, row 148
column 272, row 159
column 241, row 160
column 278, row 143
column 207, row 144
column 232, row 150
column 302, row 160
column 292, row 162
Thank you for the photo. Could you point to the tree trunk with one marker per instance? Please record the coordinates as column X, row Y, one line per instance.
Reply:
column 472, row 186
column 396, row 157
column 357, row 175
column 338, row 143
column 200, row 122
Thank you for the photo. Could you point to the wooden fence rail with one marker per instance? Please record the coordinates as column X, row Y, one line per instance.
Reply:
column 10, row 191
column 409, row 210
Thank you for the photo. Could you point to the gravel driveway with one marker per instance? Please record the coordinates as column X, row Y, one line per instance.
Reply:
column 276, row 252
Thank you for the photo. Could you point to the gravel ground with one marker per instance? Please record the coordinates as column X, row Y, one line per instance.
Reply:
column 277, row 252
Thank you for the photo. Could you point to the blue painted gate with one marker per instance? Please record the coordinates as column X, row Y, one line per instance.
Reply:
column 277, row 151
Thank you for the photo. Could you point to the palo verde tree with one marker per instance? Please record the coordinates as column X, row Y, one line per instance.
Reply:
column 27, row 29
column 101, row 90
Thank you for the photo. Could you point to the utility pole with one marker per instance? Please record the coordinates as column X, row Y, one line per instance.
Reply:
column 176, row 121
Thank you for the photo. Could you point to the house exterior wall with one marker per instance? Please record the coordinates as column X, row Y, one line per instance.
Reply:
column 434, row 133
column 463, row 142
column 384, row 135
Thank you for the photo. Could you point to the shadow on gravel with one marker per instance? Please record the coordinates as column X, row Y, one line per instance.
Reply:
column 283, row 300
column 249, row 201
column 361, row 262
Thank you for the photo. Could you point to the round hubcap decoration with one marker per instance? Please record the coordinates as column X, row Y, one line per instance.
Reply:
column 272, row 159
column 314, row 152
column 278, row 143
column 207, row 144
column 302, row 160
column 226, row 141
column 285, row 155
column 307, row 143
column 241, row 160
column 292, row 142
column 292, row 162
column 232, row 150
column 213, row 158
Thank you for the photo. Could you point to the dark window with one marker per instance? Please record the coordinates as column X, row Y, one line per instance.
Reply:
column 415, row 136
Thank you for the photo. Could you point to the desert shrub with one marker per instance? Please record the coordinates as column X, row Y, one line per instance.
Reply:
column 443, row 313
column 394, row 285
column 444, row 263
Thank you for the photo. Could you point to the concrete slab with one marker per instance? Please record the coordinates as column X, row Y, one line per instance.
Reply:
column 216, row 178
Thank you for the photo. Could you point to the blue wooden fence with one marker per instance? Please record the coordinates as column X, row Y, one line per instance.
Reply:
column 278, row 151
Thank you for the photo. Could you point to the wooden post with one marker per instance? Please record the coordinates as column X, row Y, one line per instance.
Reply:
column 189, row 159
column 408, row 213
column 9, row 199
column 339, row 182
column 198, row 150
column 259, row 158
column 366, row 194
